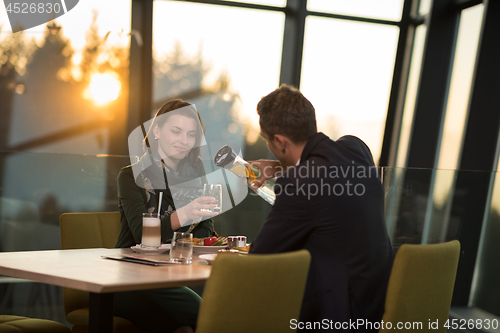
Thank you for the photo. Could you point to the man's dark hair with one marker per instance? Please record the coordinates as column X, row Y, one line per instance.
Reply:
column 286, row 111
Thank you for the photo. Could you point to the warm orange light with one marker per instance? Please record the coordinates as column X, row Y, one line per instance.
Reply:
column 103, row 88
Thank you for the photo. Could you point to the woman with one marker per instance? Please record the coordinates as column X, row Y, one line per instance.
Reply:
column 174, row 142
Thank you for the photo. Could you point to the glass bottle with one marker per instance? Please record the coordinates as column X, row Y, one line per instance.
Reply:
column 226, row 158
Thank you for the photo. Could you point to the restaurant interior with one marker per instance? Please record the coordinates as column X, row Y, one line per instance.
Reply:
column 416, row 80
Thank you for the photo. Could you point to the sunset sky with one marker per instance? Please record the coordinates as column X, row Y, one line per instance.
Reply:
column 346, row 76
column 336, row 72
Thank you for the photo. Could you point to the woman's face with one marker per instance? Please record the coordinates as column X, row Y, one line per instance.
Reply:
column 176, row 137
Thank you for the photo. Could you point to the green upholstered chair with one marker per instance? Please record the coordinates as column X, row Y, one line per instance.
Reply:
column 82, row 231
column 17, row 324
column 254, row 293
column 421, row 285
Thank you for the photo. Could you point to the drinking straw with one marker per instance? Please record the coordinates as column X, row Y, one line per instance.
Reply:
column 159, row 204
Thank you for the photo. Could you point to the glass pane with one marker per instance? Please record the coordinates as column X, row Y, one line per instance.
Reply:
column 399, row 199
column 380, row 9
column 277, row 3
column 485, row 293
column 67, row 81
column 461, row 80
column 407, row 207
column 456, row 113
column 424, row 7
column 55, row 96
column 224, row 68
column 348, row 77
column 36, row 188
column 411, row 95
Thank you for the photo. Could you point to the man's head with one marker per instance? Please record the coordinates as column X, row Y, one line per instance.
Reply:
column 286, row 111
column 286, row 115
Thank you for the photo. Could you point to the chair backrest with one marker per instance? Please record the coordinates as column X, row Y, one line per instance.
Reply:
column 82, row 231
column 254, row 293
column 89, row 230
column 421, row 286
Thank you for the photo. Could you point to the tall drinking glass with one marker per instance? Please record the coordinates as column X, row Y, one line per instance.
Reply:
column 151, row 231
column 214, row 191
column 181, row 250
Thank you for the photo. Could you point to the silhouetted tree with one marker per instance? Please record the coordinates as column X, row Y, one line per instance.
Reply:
column 15, row 53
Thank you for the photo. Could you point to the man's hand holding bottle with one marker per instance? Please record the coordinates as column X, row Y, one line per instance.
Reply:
column 268, row 169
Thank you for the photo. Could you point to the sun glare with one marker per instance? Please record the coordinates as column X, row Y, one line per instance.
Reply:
column 103, row 88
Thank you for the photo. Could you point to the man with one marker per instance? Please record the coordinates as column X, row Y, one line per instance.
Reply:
column 329, row 201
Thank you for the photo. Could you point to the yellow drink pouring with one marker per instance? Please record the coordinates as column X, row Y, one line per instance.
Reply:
column 227, row 159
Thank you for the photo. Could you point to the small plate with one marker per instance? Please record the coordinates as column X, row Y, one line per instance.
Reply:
column 208, row 257
column 162, row 249
column 207, row 249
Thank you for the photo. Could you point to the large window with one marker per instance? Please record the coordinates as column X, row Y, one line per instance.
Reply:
column 63, row 100
column 380, row 9
column 347, row 77
column 209, row 56
column 70, row 86
column 411, row 95
column 64, row 91
column 211, row 51
column 455, row 117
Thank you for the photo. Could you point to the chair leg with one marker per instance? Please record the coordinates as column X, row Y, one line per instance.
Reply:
column 30, row 302
column 48, row 289
column 7, row 297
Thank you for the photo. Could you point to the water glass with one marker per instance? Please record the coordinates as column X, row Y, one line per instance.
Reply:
column 214, row 191
column 151, row 231
column 181, row 250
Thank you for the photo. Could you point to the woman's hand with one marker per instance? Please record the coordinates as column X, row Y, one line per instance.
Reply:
column 196, row 209
column 268, row 169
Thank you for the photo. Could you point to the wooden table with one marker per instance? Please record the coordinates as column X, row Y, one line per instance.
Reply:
column 86, row 270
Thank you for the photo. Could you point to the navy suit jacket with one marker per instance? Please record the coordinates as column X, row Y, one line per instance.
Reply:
column 332, row 204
